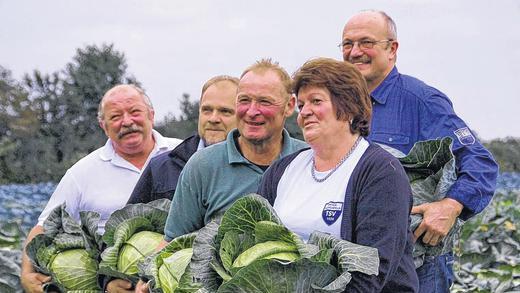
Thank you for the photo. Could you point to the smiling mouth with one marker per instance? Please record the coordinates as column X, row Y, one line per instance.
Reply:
column 121, row 135
column 254, row 123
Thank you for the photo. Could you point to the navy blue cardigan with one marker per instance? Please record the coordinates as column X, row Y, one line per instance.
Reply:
column 376, row 213
column 159, row 178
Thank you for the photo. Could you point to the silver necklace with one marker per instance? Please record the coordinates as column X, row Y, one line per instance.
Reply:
column 313, row 166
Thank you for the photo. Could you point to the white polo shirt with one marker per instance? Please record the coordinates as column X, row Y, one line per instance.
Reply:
column 101, row 182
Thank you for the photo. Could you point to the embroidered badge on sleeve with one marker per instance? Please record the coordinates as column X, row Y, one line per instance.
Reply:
column 465, row 136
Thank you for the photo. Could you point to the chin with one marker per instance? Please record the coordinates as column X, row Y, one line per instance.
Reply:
column 256, row 140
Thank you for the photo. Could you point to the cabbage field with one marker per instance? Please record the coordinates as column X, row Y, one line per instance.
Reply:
column 487, row 256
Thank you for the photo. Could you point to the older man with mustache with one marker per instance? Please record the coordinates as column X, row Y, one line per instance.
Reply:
column 103, row 180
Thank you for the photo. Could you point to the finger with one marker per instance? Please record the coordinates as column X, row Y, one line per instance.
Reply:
column 418, row 209
column 435, row 240
column 419, row 231
column 427, row 238
column 125, row 284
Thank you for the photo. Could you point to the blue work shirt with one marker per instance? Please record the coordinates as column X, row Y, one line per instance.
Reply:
column 406, row 110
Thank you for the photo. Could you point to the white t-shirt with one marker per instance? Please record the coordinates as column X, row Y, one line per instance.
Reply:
column 101, row 182
column 305, row 205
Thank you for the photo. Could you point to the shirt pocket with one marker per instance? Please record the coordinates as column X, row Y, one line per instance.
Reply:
column 391, row 139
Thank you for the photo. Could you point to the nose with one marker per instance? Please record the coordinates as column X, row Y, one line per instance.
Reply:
column 253, row 109
column 127, row 119
column 214, row 117
column 356, row 51
column 305, row 111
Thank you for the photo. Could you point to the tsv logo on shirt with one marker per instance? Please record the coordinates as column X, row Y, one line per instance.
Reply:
column 465, row 136
column 331, row 212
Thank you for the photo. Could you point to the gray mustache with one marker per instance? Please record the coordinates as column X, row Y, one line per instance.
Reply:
column 363, row 59
column 128, row 130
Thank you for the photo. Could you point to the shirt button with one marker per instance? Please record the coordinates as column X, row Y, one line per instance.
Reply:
column 390, row 139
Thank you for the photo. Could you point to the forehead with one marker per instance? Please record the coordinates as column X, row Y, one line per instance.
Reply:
column 310, row 90
column 367, row 24
column 261, row 84
column 222, row 92
column 123, row 97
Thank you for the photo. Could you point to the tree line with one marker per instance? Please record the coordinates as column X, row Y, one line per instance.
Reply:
column 48, row 121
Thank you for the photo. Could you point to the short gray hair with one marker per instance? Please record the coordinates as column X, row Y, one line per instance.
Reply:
column 146, row 99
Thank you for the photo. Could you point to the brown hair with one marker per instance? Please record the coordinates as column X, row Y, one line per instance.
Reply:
column 347, row 87
column 264, row 65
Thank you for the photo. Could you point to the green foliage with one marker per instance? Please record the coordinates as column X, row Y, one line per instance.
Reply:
column 184, row 125
column 506, row 152
column 489, row 250
column 48, row 121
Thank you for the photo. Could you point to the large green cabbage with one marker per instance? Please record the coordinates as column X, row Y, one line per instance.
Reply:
column 172, row 269
column 430, row 166
column 131, row 234
column 136, row 248
column 75, row 269
column 251, row 251
column 165, row 268
column 67, row 251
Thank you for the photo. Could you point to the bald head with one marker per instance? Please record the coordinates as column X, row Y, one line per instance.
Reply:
column 376, row 18
column 369, row 42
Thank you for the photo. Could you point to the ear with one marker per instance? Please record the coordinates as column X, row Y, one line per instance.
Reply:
column 289, row 109
column 103, row 126
column 152, row 116
column 393, row 50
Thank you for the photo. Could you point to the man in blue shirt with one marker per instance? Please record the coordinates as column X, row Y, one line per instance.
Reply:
column 406, row 110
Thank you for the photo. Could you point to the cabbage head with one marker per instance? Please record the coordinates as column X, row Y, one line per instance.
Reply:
column 135, row 249
column 165, row 269
column 431, row 170
column 131, row 234
column 67, row 251
column 75, row 270
column 250, row 250
column 172, row 269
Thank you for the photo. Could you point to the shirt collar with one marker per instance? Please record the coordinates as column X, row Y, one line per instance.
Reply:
column 108, row 153
column 201, row 144
column 382, row 92
column 235, row 156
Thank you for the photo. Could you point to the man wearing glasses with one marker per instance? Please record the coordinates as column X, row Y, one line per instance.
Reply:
column 406, row 110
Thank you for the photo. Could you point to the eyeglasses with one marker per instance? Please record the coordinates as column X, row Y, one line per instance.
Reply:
column 347, row 45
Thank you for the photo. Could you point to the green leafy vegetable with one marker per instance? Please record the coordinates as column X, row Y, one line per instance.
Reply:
column 136, row 248
column 172, row 269
column 165, row 268
column 67, row 251
column 251, row 251
column 75, row 269
column 430, row 166
column 131, row 234
column 263, row 250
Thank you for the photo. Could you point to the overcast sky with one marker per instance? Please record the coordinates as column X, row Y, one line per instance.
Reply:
column 470, row 49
